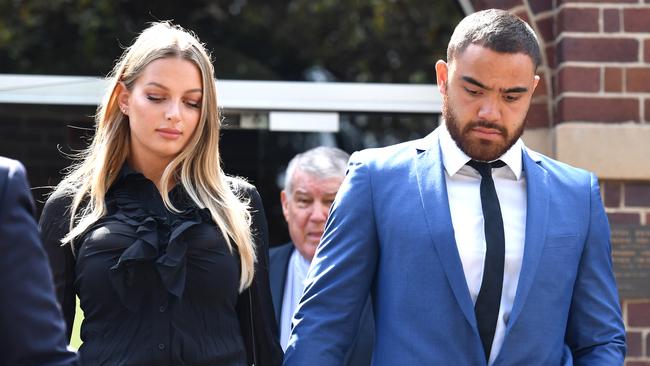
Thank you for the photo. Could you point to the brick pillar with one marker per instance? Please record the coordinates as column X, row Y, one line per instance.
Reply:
column 601, row 74
column 628, row 204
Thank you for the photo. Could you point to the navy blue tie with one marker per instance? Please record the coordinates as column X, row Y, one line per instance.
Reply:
column 488, row 301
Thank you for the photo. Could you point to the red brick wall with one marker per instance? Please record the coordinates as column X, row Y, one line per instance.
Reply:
column 628, row 203
column 597, row 69
column 637, row 319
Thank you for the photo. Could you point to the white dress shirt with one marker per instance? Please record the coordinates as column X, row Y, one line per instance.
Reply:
column 294, row 285
column 463, row 191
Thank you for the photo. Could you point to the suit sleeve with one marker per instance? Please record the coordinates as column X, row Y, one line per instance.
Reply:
column 33, row 331
column 339, row 280
column 54, row 225
column 595, row 331
column 262, row 334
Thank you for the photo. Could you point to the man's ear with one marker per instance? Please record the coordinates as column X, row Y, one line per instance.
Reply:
column 442, row 74
column 535, row 82
column 284, row 198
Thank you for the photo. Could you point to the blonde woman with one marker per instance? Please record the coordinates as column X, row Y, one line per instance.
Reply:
column 167, row 254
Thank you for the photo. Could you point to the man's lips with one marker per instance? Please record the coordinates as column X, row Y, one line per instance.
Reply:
column 316, row 235
column 487, row 133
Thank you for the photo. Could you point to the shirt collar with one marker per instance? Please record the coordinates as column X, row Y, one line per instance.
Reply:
column 127, row 171
column 135, row 182
column 300, row 264
column 454, row 158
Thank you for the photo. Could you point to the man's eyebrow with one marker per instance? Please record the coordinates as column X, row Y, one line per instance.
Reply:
column 473, row 81
column 516, row 89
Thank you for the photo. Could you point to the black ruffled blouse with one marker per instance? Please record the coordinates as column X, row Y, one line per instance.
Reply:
column 158, row 287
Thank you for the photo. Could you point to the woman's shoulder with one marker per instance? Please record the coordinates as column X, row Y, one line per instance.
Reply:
column 243, row 189
column 248, row 194
column 240, row 185
column 58, row 203
column 55, row 219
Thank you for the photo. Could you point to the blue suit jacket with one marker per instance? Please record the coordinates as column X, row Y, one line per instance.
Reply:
column 390, row 234
column 33, row 331
column 360, row 351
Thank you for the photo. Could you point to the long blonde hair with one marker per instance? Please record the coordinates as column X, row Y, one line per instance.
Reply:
column 197, row 167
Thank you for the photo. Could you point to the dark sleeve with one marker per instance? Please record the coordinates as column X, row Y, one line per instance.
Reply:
column 54, row 225
column 262, row 334
column 33, row 332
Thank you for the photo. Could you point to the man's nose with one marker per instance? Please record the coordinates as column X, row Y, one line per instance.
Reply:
column 320, row 211
column 489, row 110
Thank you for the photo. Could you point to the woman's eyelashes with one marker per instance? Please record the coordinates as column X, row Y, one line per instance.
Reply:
column 155, row 98
column 193, row 104
column 188, row 102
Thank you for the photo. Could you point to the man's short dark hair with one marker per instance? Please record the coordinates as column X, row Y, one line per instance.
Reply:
column 497, row 30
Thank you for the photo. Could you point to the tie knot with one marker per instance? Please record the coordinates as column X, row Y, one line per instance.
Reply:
column 484, row 168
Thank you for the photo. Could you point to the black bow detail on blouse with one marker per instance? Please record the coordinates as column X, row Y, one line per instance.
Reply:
column 169, row 258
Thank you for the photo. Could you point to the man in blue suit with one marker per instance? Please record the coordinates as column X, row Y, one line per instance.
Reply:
column 476, row 250
column 33, row 331
column 311, row 181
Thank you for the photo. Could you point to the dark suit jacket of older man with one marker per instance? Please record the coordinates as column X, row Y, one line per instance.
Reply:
column 360, row 353
column 33, row 331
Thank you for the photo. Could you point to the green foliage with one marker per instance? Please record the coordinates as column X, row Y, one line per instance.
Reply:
column 75, row 339
column 343, row 40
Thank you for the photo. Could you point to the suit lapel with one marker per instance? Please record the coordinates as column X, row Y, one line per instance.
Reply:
column 433, row 192
column 278, row 276
column 537, row 192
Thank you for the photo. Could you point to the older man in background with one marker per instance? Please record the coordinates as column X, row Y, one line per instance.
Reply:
column 312, row 180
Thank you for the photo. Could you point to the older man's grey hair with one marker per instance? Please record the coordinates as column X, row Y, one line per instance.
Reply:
column 321, row 162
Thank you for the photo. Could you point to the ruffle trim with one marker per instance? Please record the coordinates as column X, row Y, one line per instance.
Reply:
column 170, row 260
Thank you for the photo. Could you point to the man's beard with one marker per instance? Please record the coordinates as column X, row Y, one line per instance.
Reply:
column 478, row 149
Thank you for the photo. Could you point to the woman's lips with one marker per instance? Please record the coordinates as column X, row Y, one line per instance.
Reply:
column 169, row 133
